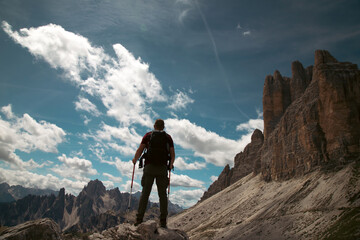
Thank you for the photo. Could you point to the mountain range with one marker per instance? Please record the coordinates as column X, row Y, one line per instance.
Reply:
column 12, row 193
column 94, row 209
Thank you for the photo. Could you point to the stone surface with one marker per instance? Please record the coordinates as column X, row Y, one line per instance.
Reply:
column 146, row 231
column 321, row 128
column 37, row 229
column 311, row 120
column 319, row 205
column 221, row 183
column 245, row 162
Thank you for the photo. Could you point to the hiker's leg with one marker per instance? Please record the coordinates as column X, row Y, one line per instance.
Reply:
column 146, row 182
column 162, row 183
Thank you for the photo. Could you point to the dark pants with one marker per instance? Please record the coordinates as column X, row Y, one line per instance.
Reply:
column 151, row 172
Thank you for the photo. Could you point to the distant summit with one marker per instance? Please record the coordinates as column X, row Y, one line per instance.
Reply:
column 12, row 193
column 94, row 209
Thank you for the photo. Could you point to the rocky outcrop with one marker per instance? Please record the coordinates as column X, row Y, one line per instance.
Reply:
column 311, row 120
column 248, row 160
column 321, row 127
column 37, row 229
column 145, row 231
column 222, row 182
column 245, row 162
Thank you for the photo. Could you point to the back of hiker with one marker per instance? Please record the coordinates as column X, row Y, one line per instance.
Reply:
column 159, row 146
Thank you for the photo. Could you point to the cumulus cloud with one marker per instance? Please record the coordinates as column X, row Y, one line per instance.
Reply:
column 186, row 198
column 77, row 168
column 112, row 178
column 33, row 180
column 27, row 135
column 87, row 106
column 182, row 164
column 185, row 181
column 251, row 125
column 212, row 147
column 180, row 101
column 7, row 110
column 127, row 187
column 124, row 84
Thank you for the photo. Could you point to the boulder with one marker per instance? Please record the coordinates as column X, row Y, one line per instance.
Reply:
column 146, row 231
column 37, row 229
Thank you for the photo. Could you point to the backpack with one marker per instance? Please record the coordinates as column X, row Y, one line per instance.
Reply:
column 158, row 150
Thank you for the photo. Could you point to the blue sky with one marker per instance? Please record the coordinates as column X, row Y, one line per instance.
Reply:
column 82, row 81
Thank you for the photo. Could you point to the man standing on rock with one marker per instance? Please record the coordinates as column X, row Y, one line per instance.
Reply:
column 159, row 146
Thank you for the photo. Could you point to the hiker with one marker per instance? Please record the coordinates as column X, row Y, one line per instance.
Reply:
column 159, row 146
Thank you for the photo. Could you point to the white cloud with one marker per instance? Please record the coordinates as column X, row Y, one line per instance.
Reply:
column 113, row 178
column 85, row 105
column 213, row 178
column 209, row 145
column 185, row 181
column 180, row 163
column 108, row 184
column 75, row 167
column 247, row 33
column 213, row 148
column 33, row 180
column 27, row 135
column 251, row 125
column 61, row 49
column 180, row 101
column 124, row 84
column 127, row 187
column 186, row 198
column 7, row 110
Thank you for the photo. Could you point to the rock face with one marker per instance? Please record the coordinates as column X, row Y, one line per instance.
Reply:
column 321, row 127
column 38, row 229
column 146, row 231
column 311, row 120
column 94, row 209
column 245, row 162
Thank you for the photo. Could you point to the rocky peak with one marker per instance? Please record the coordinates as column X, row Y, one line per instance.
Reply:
column 324, row 57
column 276, row 98
column 257, row 136
column 321, row 127
column 95, row 188
column 299, row 80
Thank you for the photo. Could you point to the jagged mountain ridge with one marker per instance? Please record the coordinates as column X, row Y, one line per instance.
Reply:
column 311, row 120
column 12, row 193
column 94, row 209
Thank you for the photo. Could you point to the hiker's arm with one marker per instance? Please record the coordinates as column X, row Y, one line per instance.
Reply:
column 138, row 152
column 172, row 157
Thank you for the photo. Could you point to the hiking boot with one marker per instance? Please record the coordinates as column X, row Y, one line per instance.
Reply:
column 163, row 223
column 138, row 222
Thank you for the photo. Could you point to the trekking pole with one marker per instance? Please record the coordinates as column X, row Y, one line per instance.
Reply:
column 169, row 187
column 132, row 181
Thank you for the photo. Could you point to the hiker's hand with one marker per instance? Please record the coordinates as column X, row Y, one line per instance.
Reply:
column 134, row 161
column 171, row 167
